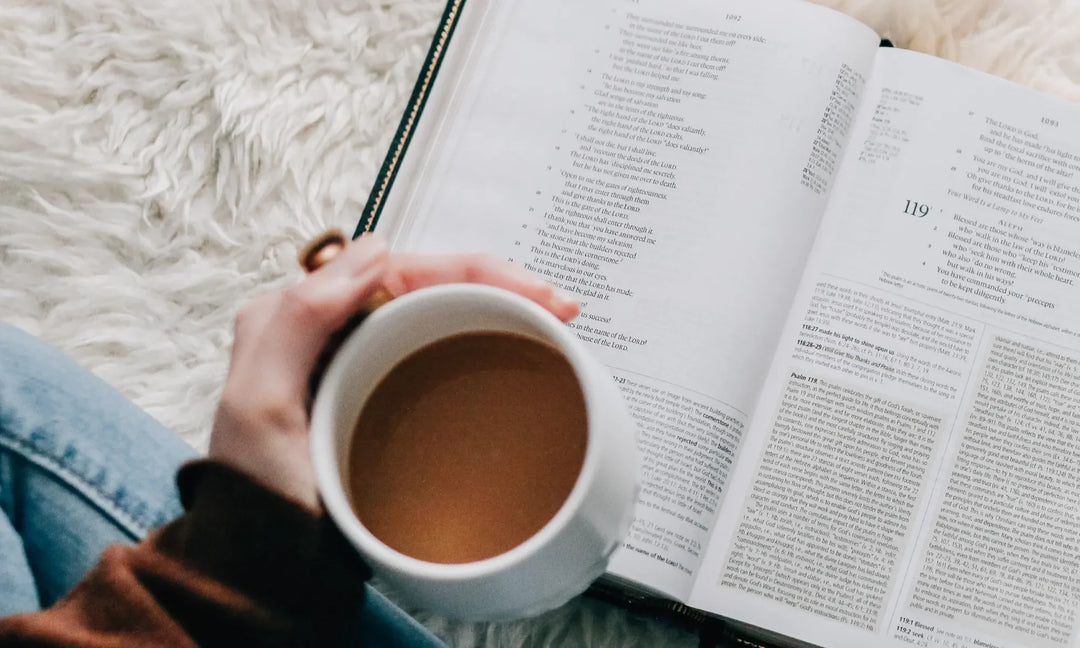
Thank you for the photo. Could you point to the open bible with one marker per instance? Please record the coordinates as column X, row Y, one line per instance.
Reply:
column 836, row 283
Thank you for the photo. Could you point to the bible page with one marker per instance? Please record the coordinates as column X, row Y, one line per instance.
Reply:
column 667, row 163
column 914, row 479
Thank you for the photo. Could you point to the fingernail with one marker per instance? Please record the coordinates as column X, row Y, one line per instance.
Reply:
column 564, row 299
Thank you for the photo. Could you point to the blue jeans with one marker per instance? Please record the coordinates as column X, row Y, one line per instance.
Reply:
column 82, row 468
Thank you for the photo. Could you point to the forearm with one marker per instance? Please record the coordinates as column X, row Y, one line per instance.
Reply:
column 242, row 566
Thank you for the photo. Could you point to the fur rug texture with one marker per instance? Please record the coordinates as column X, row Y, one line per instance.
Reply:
column 161, row 162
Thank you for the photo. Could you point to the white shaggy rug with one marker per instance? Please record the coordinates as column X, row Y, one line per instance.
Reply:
column 161, row 161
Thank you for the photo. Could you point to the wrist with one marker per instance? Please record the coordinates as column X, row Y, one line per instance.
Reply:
column 276, row 457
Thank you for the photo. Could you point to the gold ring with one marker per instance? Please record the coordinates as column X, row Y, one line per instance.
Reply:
column 321, row 249
column 324, row 247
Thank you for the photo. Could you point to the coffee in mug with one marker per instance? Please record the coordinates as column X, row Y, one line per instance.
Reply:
column 475, row 453
column 468, row 447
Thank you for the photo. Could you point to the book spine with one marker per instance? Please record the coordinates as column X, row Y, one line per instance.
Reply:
column 713, row 631
column 370, row 217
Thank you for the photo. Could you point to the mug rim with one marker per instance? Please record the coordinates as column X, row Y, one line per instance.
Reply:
column 329, row 476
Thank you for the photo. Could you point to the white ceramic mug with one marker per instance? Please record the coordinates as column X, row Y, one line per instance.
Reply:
column 572, row 549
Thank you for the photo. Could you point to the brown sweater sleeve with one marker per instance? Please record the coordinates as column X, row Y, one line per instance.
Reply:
column 242, row 567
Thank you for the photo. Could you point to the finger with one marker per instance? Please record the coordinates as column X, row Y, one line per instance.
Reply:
column 352, row 259
column 312, row 310
column 408, row 272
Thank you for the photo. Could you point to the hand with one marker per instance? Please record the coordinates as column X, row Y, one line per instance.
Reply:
column 261, row 425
